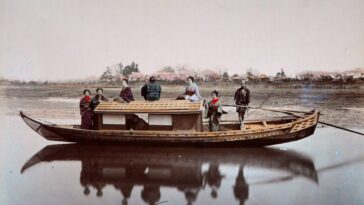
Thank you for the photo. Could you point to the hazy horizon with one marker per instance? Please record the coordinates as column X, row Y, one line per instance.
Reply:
column 58, row 40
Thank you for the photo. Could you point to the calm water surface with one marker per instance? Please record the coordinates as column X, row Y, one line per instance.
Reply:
column 326, row 168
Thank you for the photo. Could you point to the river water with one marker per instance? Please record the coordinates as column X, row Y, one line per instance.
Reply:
column 325, row 168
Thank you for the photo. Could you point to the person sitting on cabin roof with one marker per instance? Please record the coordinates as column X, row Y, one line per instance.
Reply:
column 85, row 110
column 151, row 91
column 192, row 92
column 242, row 100
column 125, row 94
column 95, row 101
column 213, row 110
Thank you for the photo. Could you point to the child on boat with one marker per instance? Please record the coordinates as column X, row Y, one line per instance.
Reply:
column 214, row 111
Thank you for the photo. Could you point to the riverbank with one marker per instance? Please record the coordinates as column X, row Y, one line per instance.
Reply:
column 343, row 107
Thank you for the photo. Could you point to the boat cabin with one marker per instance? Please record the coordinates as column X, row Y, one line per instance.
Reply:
column 164, row 115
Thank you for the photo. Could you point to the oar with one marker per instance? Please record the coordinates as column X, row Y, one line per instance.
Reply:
column 289, row 112
column 342, row 128
column 318, row 171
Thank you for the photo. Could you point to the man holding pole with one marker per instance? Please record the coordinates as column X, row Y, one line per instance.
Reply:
column 242, row 100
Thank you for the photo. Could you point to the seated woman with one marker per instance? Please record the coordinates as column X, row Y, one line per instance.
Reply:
column 85, row 110
column 125, row 94
column 214, row 111
column 192, row 92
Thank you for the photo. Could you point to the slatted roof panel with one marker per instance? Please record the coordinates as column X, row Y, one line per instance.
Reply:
column 161, row 106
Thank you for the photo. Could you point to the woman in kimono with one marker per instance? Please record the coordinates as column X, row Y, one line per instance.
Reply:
column 85, row 110
column 125, row 93
column 214, row 111
column 95, row 101
column 192, row 92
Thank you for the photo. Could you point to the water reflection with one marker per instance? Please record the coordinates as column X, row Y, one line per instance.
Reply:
column 175, row 167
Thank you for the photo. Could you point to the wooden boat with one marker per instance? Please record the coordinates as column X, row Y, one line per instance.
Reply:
column 125, row 167
column 174, row 122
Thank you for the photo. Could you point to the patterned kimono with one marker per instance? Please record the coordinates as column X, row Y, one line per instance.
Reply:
column 151, row 91
column 192, row 93
column 214, row 112
column 126, row 94
column 86, row 113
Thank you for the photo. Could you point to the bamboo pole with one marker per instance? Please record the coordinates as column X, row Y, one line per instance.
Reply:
column 289, row 112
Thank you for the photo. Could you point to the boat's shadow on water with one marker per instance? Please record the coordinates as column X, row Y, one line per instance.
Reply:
column 174, row 167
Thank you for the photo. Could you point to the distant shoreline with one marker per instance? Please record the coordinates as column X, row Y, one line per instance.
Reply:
column 253, row 84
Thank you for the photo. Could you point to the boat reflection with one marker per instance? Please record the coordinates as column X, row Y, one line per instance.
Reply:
column 173, row 167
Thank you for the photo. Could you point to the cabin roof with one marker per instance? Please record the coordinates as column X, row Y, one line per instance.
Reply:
column 155, row 107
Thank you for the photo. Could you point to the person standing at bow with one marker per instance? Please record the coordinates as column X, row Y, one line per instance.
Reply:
column 151, row 91
column 95, row 101
column 242, row 100
column 85, row 110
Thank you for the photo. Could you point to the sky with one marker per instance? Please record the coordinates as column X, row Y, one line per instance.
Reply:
column 68, row 39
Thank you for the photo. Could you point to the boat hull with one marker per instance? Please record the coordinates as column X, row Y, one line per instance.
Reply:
column 284, row 133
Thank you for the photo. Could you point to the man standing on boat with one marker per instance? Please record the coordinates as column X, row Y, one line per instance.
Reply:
column 242, row 100
column 151, row 91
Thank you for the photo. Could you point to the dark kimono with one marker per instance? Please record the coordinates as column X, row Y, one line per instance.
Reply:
column 95, row 101
column 151, row 91
column 242, row 97
column 214, row 112
column 86, row 112
column 126, row 94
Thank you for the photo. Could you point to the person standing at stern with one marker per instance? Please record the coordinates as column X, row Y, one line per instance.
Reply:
column 242, row 100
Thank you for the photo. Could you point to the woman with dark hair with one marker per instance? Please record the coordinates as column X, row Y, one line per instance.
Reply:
column 95, row 101
column 151, row 91
column 192, row 92
column 85, row 110
column 125, row 93
column 214, row 111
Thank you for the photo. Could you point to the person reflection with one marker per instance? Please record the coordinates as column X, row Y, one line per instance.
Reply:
column 213, row 178
column 126, row 192
column 241, row 188
column 84, row 178
column 90, row 176
column 151, row 194
column 191, row 193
